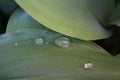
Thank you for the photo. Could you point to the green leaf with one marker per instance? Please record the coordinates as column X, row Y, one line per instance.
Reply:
column 20, row 20
column 102, row 9
column 115, row 18
column 68, row 17
column 22, row 58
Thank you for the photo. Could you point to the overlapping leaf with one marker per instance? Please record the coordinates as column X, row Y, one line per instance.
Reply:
column 115, row 18
column 27, row 60
column 20, row 20
column 22, row 59
column 72, row 18
column 102, row 9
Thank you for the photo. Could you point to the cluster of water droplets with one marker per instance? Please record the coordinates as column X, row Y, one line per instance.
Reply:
column 62, row 42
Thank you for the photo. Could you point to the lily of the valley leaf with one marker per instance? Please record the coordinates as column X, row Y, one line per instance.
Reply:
column 69, row 17
column 115, row 18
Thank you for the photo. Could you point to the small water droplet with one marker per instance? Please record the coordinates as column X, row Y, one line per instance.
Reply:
column 46, row 42
column 88, row 66
column 39, row 41
column 16, row 44
column 62, row 42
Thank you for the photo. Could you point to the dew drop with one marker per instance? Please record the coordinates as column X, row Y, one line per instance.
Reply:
column 16, row 44
column 88, row 66
column 39, row 41
column 62, row 42
column 46, row 42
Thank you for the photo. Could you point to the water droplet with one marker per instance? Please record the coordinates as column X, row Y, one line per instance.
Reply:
column 62, row 42
column 88, row 66
column 39, row 41
column 46, row 42
column 16, row 44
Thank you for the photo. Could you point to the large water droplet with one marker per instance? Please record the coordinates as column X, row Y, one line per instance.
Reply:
column 39, row 41
column 62, row 42
column 88, row 66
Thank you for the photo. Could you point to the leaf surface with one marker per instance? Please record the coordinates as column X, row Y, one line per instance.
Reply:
column 102, row 9
column 27, row 60
column 8, row 6
column 21, row 58
column 68, row 17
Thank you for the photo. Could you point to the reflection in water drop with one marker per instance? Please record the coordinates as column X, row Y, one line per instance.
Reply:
column 62, row 42
column 39, row 41
column 16, row 44
column 88, row 66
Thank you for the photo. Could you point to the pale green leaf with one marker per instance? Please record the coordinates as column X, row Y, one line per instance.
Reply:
column 20, row 20
column 69, row 17
column 28, row 61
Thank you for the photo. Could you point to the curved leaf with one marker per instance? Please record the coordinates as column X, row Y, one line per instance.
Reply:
column 20, row 20
column 27, row 60
column 102, row 9
column 68, row 17
column 22, row 58
column 115, row 18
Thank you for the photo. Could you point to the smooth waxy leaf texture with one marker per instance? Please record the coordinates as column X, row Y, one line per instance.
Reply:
column 22, row 58
column 68, row 17
column 20, row 20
